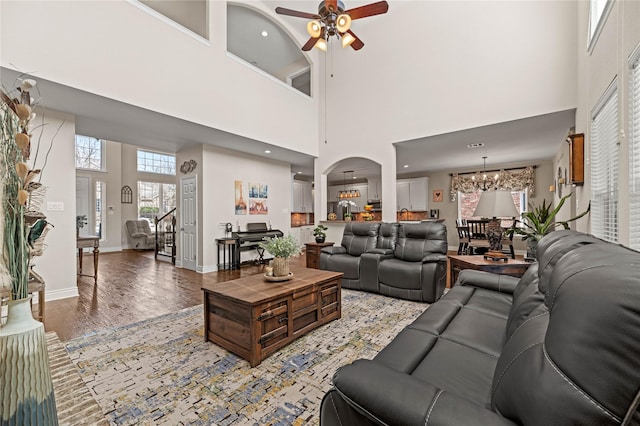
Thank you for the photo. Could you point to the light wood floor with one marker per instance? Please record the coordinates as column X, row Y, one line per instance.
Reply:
column 131, row 287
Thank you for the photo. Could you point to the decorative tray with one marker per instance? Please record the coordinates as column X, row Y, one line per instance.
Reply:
column 271, row 278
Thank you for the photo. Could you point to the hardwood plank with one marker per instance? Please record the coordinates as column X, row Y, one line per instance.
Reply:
column 132, row 287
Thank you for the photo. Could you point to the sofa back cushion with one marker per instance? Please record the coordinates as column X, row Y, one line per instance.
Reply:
column 416, row 240
column 576, row 362
column 359, row 237
column 526, row 299
column 387, row 236
column 553, row 246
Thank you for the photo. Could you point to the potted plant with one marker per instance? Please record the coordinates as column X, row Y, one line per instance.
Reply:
column 540, row 221
column 320, row 233
column 282, row 248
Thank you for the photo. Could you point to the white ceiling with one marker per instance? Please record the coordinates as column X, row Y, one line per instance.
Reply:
column 529, row 139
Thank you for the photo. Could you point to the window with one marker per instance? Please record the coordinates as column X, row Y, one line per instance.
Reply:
column 604, row 166
column 598, row 11
column 154, row 162
column 634, row 152
column 155, row 199
column 89, row 153
column 467, row 204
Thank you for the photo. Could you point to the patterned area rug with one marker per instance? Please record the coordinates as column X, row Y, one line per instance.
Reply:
column 161, row 371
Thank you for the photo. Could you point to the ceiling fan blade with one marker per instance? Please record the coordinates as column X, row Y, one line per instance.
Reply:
column 310, row 43
column 357, row 43
column 297, row 14
column 331, row 5
column 377, row 8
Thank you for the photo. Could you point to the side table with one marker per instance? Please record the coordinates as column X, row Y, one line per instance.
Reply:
column 230, row 258
column 313, row 253
column 513, row 267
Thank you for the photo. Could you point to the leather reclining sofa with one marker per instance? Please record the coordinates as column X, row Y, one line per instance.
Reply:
column 403, row 260
column 559, row 346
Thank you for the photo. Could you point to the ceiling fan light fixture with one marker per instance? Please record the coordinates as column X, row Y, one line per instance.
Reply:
column 321, row 44
column 314, row 29
column 343, row 23
column 347, row 39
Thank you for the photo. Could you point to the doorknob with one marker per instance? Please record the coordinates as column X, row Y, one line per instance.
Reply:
column 182, row 228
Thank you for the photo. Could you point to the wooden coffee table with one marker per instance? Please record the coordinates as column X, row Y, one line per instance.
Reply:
column 254, row 318
column 513, row 267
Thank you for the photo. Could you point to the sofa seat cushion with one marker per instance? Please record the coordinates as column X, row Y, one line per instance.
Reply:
column 347, row 264
column 455, row 344
column 400, row 274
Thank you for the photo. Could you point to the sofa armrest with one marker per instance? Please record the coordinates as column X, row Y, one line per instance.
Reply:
column 379, row 251
column 334, row 250
column 434, row 257
column 387, row 396
column 487, row 280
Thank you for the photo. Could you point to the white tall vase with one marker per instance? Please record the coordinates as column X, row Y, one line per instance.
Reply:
column 26, row 390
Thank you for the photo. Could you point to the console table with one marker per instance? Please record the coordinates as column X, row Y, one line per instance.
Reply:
column 513, row 267
column 88, row 242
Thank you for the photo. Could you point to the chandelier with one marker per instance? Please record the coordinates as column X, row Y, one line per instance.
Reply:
column 482, row 182
column 347, row 193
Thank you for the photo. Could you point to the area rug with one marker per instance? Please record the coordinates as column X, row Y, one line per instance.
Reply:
column 160, row 371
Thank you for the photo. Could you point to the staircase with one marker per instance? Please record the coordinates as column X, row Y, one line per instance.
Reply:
column 166, row 236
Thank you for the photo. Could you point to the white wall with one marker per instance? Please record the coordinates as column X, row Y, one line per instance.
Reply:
column 462, row 64
column 221, row 168
column 57, row 265
column 118, row 50
column 595, row 71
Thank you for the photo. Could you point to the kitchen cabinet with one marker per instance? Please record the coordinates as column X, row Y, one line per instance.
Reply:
column 302, row 197
column 374, row 189
column 306, row 235
column 412, row 194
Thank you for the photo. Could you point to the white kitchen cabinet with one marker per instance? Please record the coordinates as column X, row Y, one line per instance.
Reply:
column 306, row 235
column 302, row 197
column 412, row 194
column 374, row 189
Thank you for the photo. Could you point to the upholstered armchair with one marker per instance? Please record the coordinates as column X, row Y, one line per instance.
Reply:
column 417, row 269
column 358, row 237
column 140, row 235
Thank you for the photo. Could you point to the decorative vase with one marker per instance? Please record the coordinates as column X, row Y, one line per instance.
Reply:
column 319, row 239
column 26, row 390
column 280, row 266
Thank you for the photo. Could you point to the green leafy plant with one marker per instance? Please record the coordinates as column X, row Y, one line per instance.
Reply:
column 541, row 220
column 319, row 231
column 281, row 246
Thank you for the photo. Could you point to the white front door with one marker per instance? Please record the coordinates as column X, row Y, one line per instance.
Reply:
column 82, row 203
column 188, row 219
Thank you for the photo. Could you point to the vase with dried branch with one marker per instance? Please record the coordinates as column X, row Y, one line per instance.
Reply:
column 26, row 389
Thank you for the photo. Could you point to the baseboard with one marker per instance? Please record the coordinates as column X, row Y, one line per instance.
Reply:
column 63, row 293
column 102, row 249
column 206, row 269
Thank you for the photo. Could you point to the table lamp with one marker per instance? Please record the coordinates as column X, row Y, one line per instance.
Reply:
column 494, row 205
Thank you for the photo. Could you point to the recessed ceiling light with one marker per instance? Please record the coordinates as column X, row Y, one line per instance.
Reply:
column 264, row 33
column 299, row 173
column 475, row 145
column 405, row 166
column 355, row 177
column 266, row 151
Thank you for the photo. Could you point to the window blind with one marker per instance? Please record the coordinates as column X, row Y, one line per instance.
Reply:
column 634, row 156
column 604, row 167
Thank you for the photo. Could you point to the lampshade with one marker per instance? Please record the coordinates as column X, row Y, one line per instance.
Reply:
column 343, row 23
column 321, row 44
column 314, row 29
column 496, row 204
column 347, row 39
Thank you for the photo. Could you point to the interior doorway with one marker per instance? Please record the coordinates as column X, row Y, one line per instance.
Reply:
column 188, row 222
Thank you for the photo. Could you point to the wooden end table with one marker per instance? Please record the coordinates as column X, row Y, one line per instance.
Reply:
column 254, row 318
column 313, row 253
column 513, row 267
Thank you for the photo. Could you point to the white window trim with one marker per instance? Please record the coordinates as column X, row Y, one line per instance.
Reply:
column 592, row 38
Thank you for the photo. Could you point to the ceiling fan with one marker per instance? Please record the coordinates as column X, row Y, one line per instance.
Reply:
column 333, row 20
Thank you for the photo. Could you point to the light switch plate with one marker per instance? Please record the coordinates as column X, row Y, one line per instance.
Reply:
column 55, row 206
